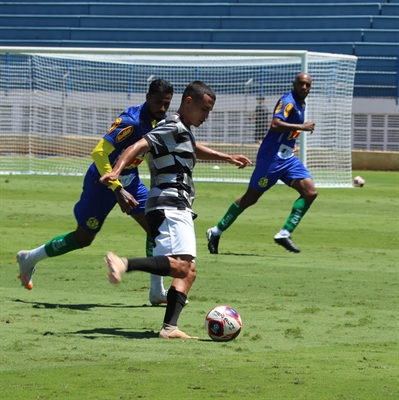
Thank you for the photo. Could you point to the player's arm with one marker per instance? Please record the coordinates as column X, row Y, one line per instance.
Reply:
column 205, row 153
column 127, row 157
column 278, row 125
column 100, row 156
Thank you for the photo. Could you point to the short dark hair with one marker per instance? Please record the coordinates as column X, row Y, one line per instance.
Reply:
column 197, row 89
column 160, row 86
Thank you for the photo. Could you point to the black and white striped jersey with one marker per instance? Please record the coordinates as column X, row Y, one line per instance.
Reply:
column 172, row 159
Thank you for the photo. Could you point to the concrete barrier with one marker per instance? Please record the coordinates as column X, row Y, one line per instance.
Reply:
column 72, row 146
column 375, row 160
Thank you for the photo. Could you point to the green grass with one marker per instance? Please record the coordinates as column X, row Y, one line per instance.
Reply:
column 322, row 324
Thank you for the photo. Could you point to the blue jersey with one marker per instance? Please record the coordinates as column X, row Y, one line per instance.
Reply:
column 97, row 200
column 126, row 130
column 275, row 160
column 290, row 110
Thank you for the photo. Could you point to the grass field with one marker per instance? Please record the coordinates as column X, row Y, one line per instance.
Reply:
column 322, row 324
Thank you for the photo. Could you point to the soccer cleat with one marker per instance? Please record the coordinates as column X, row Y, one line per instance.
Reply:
column 213, row 242
column 116, row 268
column 173, row 332
column 26, row 269
column 287, row 243
column 157, row 298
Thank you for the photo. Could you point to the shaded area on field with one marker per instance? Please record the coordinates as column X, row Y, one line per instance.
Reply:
column 110, row 332
column 79, row 307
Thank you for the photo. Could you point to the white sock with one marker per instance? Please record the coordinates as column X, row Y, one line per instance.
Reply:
column 156, row 283
column 283, row 233
column 37, row 254
column 216, row 231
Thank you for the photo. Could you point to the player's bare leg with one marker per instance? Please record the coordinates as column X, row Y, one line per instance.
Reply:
column 175, row 267
column 157, row 294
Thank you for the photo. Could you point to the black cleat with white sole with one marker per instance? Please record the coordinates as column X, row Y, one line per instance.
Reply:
column 287, row 243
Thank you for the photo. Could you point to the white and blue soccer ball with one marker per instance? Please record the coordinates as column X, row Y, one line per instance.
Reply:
column 358, row 181
column 223, row 323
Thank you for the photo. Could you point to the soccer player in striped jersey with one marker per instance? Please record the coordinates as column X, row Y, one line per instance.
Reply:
column 173, row 152
column 276, row 160
column 97, row 201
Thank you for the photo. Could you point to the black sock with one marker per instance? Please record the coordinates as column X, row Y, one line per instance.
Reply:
column 154, row 265
column 176, row 302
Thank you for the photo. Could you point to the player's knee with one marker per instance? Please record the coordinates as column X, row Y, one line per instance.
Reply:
column 192, row 273
column 311, row 195
column 249, row 199
column 85, row 243
column 180, row 268
column 84, row 240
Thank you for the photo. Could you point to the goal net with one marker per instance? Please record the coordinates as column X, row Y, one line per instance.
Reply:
column 56, row 104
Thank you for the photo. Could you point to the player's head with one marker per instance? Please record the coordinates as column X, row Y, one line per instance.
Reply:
column 302, row 85
column 158, row 98
column 197, row 102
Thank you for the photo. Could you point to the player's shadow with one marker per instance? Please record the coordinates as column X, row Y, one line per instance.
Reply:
column 112, row 332
column 228, row 253
column 264, row 256
column 78, row 307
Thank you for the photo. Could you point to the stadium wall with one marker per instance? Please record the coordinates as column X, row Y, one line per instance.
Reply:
column 375, row 160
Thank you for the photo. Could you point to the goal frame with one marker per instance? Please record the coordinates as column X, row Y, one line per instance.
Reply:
column 302, row 54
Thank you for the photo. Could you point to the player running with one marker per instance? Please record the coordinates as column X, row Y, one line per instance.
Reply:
column 276, row 160
column 97, row 201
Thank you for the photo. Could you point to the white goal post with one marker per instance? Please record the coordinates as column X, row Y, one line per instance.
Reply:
column 56, row 104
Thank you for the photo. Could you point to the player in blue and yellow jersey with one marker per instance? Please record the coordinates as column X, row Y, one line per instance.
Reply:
column 276, row 160
column 96, row 200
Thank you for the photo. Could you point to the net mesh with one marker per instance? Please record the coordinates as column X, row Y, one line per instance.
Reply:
column 54, row 108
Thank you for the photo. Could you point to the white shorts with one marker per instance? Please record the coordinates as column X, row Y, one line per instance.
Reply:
column 176, row 234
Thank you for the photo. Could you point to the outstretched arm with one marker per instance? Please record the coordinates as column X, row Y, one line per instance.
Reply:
column 205, row 153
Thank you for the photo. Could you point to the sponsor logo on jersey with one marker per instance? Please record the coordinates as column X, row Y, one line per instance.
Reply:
column 294, row 135
column 288, row 108
column 133, row 164
column 115, row 125
column 279, row 107
column 136, row 162
column 263, row 182
column 123, row 134
column 92, row 223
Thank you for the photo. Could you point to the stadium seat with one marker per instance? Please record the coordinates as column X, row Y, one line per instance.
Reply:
column 381, row 35
column 385, row 22
column 376, row 49
column 390, row 9
column 195, row 22
column 40, row 21
column 368, row 29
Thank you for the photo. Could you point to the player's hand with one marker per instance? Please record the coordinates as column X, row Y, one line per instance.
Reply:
column 239, row 160
column 125, row 200
column 108, row 178
column 309, row 126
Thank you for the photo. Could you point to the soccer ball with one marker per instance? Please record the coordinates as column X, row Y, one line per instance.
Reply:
column 223, row 323
column 358, row 181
